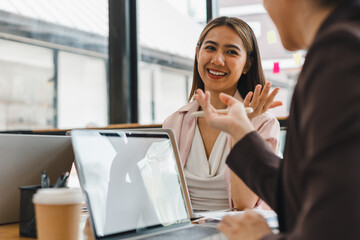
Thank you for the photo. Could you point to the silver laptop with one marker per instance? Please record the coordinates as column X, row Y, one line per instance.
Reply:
column 23, row 157
column 133, row 186
column 194, row 213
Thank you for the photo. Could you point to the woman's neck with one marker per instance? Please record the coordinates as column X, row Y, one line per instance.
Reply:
column 311, row 22
column 215, row 100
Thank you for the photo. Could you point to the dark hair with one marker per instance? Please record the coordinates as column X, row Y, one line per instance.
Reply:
column 254, row 75
column 327, row 3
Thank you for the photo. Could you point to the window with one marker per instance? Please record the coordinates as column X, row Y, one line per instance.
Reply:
column 54, row 59
column 82, row 91
column 53, row 62
column 26, row 86
column 167, row 42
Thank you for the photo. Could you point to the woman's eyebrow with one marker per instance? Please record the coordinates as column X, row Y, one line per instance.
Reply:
column 232, row 46
column 212, row 42
column 227, row 45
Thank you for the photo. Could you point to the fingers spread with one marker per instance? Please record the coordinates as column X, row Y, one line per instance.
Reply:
column 264, row 95
column 247, row 99
column 202, row 98
column 276, row 104
column 270, row 98
column 255, row 98
column 227, row 99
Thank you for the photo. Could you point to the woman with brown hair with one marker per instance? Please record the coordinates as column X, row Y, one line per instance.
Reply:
column 227, row 60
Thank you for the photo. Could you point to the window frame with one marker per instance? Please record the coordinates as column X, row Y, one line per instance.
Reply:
column 124, row 57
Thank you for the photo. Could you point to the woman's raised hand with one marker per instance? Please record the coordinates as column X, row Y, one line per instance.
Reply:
column 235, row 122
column 261, row 101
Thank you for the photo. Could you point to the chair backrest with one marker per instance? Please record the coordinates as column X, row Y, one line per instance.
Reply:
column 282, row 141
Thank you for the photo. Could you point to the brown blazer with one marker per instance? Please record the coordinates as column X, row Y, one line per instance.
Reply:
column 315, row 189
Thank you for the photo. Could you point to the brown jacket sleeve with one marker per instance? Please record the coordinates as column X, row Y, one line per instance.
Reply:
column 257, row 159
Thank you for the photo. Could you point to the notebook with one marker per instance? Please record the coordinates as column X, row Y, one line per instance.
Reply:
column 133, row 187
column 23, row 157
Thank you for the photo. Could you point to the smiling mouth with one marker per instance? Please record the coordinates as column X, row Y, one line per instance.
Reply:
column 216, row 73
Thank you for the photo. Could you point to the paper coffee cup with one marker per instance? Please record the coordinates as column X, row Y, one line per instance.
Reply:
column 57, row 213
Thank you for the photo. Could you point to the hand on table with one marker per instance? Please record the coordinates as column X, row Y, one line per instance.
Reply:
column 249, row 225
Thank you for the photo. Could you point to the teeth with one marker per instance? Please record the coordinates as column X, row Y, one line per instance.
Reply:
column 217, row 73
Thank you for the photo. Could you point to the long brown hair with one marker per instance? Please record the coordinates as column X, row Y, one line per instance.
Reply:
column 254, row 75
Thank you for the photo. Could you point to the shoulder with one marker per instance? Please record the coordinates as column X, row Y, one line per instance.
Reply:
column 334, row 55
column 342, row 35
column 337, row 44
column 332, row 61
column 342, row 23
column 268, row 127
column 335, row 52
column 327, row 95
column 177, row 117
column 265, row 119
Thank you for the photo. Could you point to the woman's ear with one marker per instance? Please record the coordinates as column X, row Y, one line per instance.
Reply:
column 197, row 52
column 247, row 66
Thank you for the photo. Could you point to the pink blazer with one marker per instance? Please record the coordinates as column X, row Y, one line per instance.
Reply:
column 184, row 127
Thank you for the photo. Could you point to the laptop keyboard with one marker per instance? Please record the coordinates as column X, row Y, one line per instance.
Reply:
column 195, row 232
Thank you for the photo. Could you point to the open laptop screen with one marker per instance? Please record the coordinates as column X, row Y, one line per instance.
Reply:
column 130, row 179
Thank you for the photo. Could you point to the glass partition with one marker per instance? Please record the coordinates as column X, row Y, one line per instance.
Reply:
column 50, row 51
column 167, row 43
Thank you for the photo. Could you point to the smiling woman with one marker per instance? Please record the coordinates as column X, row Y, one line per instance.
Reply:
column 221, row 60
column 231, row 44
column 227, row 60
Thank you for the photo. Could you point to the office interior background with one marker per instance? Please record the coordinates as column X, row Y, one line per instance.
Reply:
column 74, row 64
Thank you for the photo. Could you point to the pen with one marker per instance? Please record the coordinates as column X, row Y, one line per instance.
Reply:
column 30, row 228
column 225, row 111
column 230, row 210
column 61, row 182
column 45, row 181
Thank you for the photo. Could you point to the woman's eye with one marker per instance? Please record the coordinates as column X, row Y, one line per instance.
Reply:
column 232, row 52
column 212, row 48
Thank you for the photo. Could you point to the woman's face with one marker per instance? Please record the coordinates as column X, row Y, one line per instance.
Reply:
column 221, row 60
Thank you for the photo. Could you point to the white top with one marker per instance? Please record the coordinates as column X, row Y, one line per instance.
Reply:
column 206, row 177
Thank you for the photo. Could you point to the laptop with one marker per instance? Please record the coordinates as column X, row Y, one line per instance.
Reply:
column 23, row 157
column 133, row 187
column 194, row 213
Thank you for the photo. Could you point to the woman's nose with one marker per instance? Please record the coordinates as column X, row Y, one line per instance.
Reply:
column 218, row 59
